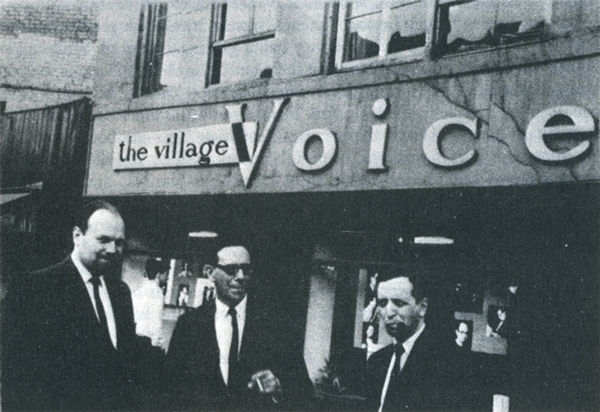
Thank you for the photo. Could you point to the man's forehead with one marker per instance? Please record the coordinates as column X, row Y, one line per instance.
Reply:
column 233, row 255
column 105, row 220
column 396, row 287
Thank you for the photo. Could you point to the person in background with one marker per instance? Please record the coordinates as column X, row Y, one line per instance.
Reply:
column 68, row 341
column 183, row 298
column 148, row 302
column 462, row 335
column 233, row 353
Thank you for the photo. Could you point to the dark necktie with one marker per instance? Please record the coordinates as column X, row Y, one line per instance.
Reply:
column 233, row 350
column 399, row 350
column 394, row 390
column 95, row 281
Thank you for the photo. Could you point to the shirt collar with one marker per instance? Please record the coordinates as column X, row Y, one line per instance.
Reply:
column 223, row 309
column 410, row 342
column 83, row 271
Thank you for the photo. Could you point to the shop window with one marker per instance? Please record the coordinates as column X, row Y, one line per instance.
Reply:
column 370, row 32
column 242, row 38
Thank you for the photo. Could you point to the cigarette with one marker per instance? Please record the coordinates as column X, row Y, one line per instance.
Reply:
column 260, row 386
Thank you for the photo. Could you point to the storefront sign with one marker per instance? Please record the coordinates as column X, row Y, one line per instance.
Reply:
column 209, row 145
column 229, row 143
column 236, row 142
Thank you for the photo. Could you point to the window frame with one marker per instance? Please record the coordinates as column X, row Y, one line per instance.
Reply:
column 404, row 56
column 218, row 42
column 432, row 49
column 150, row 48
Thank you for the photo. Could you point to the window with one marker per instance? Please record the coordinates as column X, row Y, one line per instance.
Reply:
column 172, row 42
column 242, row 38
column 370, row 32
column 376, row 30
column 148, row 62
column 469, row 25
column 168, row 46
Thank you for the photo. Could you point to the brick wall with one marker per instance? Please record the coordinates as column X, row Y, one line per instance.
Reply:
column 46, row 47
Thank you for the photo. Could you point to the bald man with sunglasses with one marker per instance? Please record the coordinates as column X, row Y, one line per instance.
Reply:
column 229, row 354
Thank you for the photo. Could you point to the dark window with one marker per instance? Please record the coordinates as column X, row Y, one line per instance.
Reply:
column 242, row 38
column 151, row 39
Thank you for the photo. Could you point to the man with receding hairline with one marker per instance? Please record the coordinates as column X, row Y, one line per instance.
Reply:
column 412, row 374
column 69, row 333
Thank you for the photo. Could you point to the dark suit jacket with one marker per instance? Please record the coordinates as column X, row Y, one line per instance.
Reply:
column 426, row 382
column 54, row 356
column 194, row 376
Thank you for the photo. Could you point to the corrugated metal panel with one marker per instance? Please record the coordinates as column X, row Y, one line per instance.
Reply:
column 44, row 145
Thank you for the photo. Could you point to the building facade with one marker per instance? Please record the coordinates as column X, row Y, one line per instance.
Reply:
column 48, row 52
column 341, row 139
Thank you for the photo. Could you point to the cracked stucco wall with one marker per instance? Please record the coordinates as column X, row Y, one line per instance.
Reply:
column 505, row 101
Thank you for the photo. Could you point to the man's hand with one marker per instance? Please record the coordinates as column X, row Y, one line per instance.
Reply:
column 267, row 383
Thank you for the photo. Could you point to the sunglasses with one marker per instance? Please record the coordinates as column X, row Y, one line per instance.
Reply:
column 232, row 270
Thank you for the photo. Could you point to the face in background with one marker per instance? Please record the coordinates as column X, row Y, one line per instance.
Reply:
column 101, row 247
column 462, row 333
column 501, row 315
column 402, row 314
column 231, row 274
column 162, row 277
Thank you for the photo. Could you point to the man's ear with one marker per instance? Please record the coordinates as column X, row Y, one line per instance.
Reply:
column 77, row 234
column 423, row 307
column 207, row 270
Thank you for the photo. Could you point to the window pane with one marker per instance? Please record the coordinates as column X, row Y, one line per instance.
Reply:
column 407, row 27
column 247, row 61
column 238, row 20
column 361, row 8
column 179, row 40
column 486, row 23
column 177, row 29
column 265, row 16
column 362, row 38
column 170, row 69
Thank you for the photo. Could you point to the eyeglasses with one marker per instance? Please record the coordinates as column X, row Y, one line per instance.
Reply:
column 233, row 270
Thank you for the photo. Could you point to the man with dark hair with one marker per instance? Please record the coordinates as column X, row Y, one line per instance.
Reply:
column 232, row 354
column 413, row 374
column 68, row 330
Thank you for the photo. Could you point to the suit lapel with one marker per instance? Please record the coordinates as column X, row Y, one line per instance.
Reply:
column 207, row 344
column 76, row 295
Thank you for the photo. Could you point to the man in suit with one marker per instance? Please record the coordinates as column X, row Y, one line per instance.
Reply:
column 414, row 373
column 68, row 330
column 232, row 353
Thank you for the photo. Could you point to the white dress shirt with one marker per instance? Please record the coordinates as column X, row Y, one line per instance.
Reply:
column 224, row 331
column 148, row 303
column 408, row 346
column 86, row 276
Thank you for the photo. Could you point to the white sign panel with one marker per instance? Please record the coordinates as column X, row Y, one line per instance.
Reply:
column 201, row 146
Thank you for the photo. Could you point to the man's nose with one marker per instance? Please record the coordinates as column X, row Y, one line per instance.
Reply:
column 111, row 247
column 240, row 274
column 389, row 311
